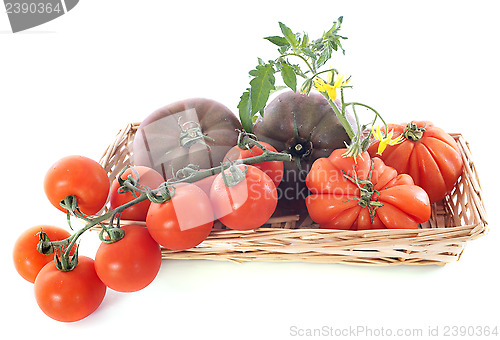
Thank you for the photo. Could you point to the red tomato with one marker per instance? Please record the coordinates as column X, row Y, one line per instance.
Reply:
column 130, row 264
column 363, row 193
column 274, row 169
column 246, row 205
column 80, row 177
column 27, row 259
column 147, row 177
column 183, row 222
column 206, row 183
column 428, row 154
column 69, row 296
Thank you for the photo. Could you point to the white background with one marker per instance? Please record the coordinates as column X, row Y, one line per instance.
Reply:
column 68, row 86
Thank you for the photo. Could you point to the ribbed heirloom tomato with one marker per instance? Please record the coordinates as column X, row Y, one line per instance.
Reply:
column 363, row 193
column 247, row 204
column 80, row 177
column 428, row 154
column 27, row 259
column 69, row 296
column 131, row 263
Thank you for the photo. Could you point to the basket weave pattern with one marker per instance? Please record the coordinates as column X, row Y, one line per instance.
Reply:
column 458, row 218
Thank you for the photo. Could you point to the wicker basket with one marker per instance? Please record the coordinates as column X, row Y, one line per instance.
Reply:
column 458, row 218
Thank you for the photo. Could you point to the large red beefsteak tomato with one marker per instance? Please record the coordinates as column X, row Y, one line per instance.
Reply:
column 428, row 154
column 363, row 193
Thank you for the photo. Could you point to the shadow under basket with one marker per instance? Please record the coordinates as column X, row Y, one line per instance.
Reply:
column 458, row 218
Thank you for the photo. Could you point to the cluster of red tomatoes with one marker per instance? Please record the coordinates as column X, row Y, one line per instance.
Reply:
column 131, row 263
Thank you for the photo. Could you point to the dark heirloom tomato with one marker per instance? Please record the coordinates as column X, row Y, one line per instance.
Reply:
column 193, row 131
column 428, row 154
column 363, row 193
column 305, row 126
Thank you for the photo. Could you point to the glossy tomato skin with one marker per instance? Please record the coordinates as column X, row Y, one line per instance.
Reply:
column 274, row 169
column 434, row 161
column 137, row 212
column 246, row 205
column 335, row 199
column 206, row 183
column 81, row 177
column 182, row 222
column 69, row 296
column 130, row 264
column 27, row 259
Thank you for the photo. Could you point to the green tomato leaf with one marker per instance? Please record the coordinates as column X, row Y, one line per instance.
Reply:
column 278, row 41
column 326, row 54
column 335, row 28
column 305, row 40
column 245, row 111
column 260, row 86
column 288, row 34
column 289, row 77
column 340, row 45
column 308, row 52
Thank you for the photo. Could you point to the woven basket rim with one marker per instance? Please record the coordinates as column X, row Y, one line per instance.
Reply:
column 328, row 245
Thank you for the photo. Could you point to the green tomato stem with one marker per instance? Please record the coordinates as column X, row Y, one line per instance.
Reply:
column 342, row 117
column 377, row 115
column 324, row 71
column 158, row 195
column 313, row 70
column 266, row 156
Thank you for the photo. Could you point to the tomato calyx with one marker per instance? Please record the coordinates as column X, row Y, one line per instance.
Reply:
column 368, row 197
column 133, row 181
column 61, row 249
column 235, row 176
column 191, row 133
column 111, row 234
column 413, row 132
column 66, row 263
column 44, row 245
column 247, row 140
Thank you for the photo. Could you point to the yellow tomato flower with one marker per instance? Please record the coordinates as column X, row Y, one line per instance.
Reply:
column 384, row 141
column 320, row 85
column 329, row 77
column 331, row 90
column 340, row 82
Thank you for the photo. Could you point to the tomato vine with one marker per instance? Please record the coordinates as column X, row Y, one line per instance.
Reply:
column 109, row 222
